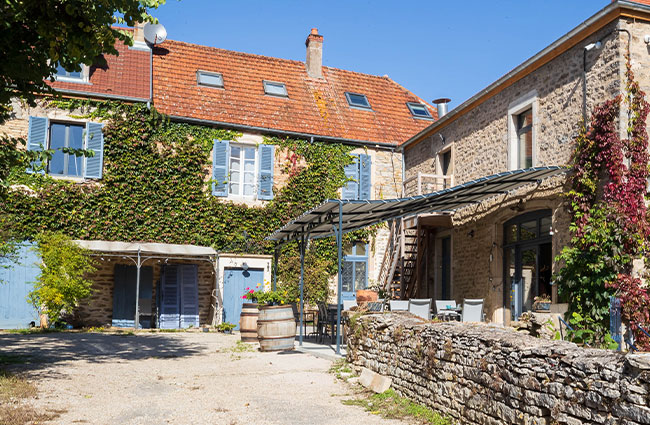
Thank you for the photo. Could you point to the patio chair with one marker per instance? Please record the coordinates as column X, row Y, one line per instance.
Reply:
column 375, row 306
column 348, row 304
column 444, row 309
column 323, row 325
column 472, row 310
column 399, row 305
column 420, row 307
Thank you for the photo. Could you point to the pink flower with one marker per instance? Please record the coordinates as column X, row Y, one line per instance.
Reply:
column 251, row 291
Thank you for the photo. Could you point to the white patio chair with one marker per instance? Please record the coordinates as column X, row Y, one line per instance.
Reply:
column 421, row 307
column 472, row 310
column 399, row 305
column 444, row 309
column 348, row 304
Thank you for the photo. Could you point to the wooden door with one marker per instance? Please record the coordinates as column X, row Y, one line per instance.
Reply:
column 16, row 282
column 235, row 282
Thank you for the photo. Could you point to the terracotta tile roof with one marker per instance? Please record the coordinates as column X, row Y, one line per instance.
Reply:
column 124, row 75
column 314, row 106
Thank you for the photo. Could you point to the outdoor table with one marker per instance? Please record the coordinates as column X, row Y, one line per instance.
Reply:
column 450, row 313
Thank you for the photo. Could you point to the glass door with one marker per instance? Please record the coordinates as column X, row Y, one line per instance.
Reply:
column 527, row 261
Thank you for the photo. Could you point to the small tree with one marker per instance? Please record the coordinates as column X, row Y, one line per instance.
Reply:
column 62, row 283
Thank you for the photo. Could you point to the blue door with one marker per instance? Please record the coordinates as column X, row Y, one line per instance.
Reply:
column 16, row 282
column 124, row 285
column 235, row 282
column 179, row 297
column 354, row 270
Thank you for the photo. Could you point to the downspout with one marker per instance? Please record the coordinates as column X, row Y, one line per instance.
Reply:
column 150, row 101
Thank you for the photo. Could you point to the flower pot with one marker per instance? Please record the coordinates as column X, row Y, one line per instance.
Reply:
column 248, row 322
column 366, row 296
column 542, row 307
column 276, row 328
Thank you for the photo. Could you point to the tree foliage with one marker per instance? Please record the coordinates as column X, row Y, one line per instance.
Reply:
column 36, row 35
column 63, row 282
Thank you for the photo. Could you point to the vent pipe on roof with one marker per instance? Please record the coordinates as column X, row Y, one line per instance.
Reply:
column 441, row 104
column 314, row 62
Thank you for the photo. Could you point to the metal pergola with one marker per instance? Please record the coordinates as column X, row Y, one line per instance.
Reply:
column 335, row 217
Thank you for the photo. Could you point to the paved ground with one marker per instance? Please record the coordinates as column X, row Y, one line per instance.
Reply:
column 179, row 378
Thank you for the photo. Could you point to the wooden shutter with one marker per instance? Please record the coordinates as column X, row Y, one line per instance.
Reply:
column 188, row 281
column 220, row 154
column 169, row 299
column 365, row 176
column 265, row 183
column 351, row 189
column 94, row 141
column 37, row 139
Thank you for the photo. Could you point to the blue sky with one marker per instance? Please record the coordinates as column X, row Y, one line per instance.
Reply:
column 433, row 48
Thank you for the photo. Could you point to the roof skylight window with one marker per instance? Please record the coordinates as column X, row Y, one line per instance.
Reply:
column 419, row 110
column 210, row 79
column 357, row 100
column 275, row 89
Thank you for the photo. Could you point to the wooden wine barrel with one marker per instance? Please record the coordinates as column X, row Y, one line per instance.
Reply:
column 276, row 328
column 248, row 322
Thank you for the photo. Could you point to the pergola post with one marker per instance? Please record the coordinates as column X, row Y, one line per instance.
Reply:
column 339, row 243
column 276, row 257
column 137, row 292
column 302, row 284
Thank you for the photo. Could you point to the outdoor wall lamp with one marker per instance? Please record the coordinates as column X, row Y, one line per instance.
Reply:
column 471, row 233
column 646, row 38
column 592, row 46
column 244, row 266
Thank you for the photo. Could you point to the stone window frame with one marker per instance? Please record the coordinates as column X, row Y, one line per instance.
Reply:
column 449, row 147
column 528, row 101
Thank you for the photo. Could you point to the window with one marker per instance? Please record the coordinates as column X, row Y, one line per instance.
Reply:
column 61, row 137
column 210, row 79
column 64, row 136
column 275, row 89
column 357, row 100
column 354, row 270
column 525, row 139
column 419, row 110
column 242, row 171
column 72, row 76
column 522, row 118
column 359, row 173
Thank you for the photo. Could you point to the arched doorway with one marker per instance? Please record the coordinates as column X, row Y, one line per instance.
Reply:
column 528, row 261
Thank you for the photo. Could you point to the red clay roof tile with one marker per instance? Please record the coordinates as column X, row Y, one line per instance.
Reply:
column 314, row 106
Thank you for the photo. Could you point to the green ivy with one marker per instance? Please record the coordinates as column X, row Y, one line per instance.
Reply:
column 155, row 187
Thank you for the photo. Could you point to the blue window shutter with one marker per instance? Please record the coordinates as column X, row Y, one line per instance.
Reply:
column 365, row 176
column 37, row 139
column 351, row 189
column 267, row 160
column 94, row 141
column 169, row 317
column 220, row 154
column 189, row 295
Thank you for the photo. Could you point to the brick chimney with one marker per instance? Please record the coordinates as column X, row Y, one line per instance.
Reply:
column 314, row 62
column 138, row 33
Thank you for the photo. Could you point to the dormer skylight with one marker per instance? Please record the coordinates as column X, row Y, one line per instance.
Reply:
column 357, row 100
column 275, row 89
column 209, row 79
column 419, row 110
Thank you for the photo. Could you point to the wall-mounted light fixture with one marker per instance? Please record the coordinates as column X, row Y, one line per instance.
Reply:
column 244, row 266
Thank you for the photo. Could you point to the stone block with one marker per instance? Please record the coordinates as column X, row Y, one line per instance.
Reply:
column 374, row 381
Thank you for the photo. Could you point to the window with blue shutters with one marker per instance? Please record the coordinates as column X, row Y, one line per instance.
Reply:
column 61, row 136
column 359, row 174
column 242, row 171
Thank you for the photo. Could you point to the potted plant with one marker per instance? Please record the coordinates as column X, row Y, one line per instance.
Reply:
column 249, row 313
column 226, row 327
column 276, row 325
column 542, row 303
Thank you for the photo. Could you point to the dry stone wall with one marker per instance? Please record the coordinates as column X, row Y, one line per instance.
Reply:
column 481, row 374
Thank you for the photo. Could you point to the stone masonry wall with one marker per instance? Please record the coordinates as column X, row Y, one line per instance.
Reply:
column 480, row 374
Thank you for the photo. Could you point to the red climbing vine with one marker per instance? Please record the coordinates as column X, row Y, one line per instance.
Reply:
column 609, row 215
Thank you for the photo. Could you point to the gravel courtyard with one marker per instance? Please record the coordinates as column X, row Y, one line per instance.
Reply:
column 178, row 378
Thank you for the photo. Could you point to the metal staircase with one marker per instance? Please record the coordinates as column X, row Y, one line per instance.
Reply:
column 397, row 276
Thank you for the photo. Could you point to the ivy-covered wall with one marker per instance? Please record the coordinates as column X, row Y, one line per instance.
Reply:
column 155, row 187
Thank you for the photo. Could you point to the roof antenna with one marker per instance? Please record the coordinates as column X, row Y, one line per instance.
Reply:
column 154, row 34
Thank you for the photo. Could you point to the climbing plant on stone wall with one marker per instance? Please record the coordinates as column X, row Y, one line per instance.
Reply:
column 155, row 187
column 609, row 216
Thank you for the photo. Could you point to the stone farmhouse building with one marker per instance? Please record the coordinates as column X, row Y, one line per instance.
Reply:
column 503, row 249
column 257, row 96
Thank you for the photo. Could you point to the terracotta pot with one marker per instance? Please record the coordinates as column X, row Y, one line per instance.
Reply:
column 366, row 295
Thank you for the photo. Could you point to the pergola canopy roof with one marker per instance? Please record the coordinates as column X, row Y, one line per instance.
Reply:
column 324, row 219
column 146, row 248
